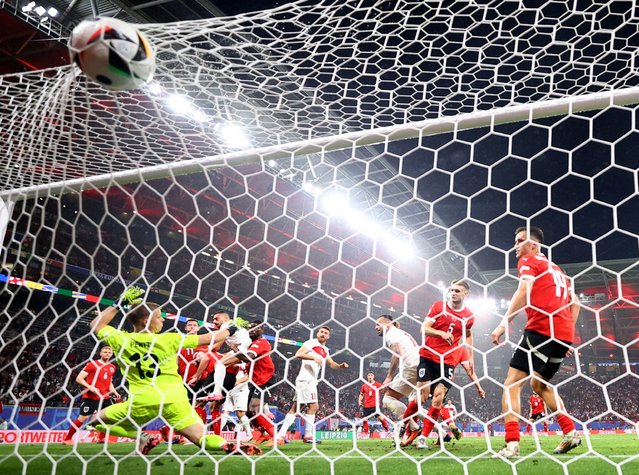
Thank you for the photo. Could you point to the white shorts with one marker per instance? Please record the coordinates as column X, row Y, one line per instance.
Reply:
column 405, row 381
column 238, row 398
column 306, row 392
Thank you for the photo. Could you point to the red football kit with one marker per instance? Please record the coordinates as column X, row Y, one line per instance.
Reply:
column 461, row 355
column 536, row 404
column 214, row 357
column 263, row 366
column 448, row 320
column 100, row 375
column 187, row 367
column 550, row 298
column 370, row 392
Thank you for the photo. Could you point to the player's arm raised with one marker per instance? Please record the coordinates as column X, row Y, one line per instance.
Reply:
column 103, row 319
column 519, row 302
column 131, row 296
column 215, row 339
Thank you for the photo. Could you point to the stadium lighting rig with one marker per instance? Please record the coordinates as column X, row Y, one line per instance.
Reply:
column 43, row 12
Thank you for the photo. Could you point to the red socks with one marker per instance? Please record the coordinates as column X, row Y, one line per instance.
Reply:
column 75, row 425
column 266, row 424
column 202, row 413
column 216, row 416
column 365, row 428
column 565, row 423
column 410, row 409
column 385, row 425
column 429, row 421
column 445, row 413
column 512, row 431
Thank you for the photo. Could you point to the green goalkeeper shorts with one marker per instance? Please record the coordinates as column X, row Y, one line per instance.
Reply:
column 178, row 415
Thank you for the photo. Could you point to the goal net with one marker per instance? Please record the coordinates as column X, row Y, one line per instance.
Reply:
column 325, row 164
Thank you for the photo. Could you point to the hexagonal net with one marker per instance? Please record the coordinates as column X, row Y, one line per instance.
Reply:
column 324, row 165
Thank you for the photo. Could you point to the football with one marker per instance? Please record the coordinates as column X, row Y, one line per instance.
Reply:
column 113, row 53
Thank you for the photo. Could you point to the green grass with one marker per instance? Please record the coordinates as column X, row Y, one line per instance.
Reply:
column 599, row 455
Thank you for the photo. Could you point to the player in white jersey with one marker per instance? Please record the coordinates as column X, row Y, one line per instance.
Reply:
column 452, row 410
column 238, row 399
column 401, row 379
column 239, row 343
column 314, row 355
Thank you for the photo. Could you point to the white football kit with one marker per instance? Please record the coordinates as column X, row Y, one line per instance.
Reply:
column 405, row 380
column 310, row 372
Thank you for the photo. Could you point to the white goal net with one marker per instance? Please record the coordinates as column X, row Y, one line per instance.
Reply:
column 325, row 164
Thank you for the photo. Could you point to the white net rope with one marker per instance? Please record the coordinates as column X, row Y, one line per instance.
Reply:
column 305, row 71
column 375, row 221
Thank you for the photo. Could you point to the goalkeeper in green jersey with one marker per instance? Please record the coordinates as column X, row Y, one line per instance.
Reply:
column 148, row 361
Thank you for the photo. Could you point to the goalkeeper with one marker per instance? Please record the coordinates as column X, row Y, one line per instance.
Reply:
column 148, row 361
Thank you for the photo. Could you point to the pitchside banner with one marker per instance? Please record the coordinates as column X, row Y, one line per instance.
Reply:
column 83, row 436
column 40, row 436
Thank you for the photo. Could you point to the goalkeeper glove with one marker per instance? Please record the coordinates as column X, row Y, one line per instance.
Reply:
column 131, row 297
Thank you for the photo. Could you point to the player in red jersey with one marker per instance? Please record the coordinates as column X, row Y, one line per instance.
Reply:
column 369, row 400
column 552, row 308
column 446, row 327
column 97, row 379
column 261, row 372
column 537, row 411
column 193, row 362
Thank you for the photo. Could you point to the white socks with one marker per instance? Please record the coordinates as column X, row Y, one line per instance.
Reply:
column 309, row 430
column 246, row 424
column 288, row 420
column 218, row 378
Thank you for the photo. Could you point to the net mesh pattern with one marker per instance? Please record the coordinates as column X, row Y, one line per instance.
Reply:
column 375, row 222
column 305, row 71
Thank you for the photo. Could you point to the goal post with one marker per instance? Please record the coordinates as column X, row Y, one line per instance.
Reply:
column 322, row 145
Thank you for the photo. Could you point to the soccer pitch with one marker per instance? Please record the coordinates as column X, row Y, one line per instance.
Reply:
column 340, row 457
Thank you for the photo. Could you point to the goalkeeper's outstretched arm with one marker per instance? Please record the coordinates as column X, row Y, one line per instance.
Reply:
column 131, row 296
column 103, row 319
